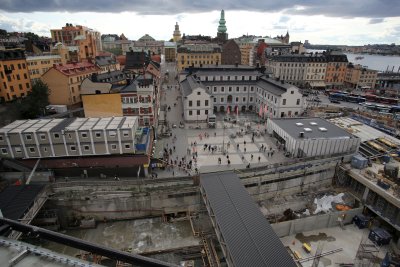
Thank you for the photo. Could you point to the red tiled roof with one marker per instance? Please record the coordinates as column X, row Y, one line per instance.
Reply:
column 121, row 59
column 75, row 68
column 156, row 58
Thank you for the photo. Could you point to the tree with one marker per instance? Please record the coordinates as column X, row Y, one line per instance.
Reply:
column 34, row 104
column 32, row 36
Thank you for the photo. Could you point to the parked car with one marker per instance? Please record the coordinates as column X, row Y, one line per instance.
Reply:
column 335, row 101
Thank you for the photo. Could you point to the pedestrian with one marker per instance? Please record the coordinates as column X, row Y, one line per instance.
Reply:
column 215, row 134
column 244, row 142
column 244, row 150
column 242, row 158
column 265, row 148
column 272, row 153
column 227, row 156
column 259, row 158
column 251, row 156
column 209, row 148
column 248, row 166
column 237, row 146
column 173, row 173
column 229, row 162
column 219, row 160
column 174, row 148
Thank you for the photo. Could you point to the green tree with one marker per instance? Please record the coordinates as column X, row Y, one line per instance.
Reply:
column 34, row 104
column 32, row 36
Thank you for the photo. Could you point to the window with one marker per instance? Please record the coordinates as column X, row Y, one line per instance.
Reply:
column 32, row 150
column 206, row 103
column 190, row 113
column 222, row 100
column 98, row 134
column 113, row 147
column 244, row 99
column 215, row 89
column 126, row 133
column 42, row 137
column 84, row 135
column 190, row 103
column 127, row 146
column 252, row 89
column 215, row 100
column 86, row 147
column 298, row 102
column 198, row 93
column 198, row 112
column 222, row 89
column 1, row 138
column 4, row 151
column 72, row 148
column 292, row 92
column 18, row 149
column 198, row 103
column 284, row 101
column 237, row 89
column 28, row 137
column 45, row 149
column 230, row 89
column 112, row 133
column 206, row 112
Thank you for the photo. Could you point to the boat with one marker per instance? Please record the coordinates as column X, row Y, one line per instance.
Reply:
column 359, row 58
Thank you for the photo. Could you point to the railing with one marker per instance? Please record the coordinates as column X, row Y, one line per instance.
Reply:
column 33, row 210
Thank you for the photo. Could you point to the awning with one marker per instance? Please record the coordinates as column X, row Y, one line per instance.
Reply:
column 317, row 84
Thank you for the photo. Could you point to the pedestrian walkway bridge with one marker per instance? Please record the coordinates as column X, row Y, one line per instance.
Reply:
column 246, row 237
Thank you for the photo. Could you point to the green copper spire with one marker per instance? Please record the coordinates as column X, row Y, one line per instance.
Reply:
column 222, row 27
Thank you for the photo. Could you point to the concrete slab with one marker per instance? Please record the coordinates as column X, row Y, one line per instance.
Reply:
column 333, row 238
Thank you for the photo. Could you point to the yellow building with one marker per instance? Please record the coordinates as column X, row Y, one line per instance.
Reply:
column 38, row 65
column 15, row 81
column 357, row 77
column 102, row 105
column 198, row 54
column 335, row 69
column 64, row 82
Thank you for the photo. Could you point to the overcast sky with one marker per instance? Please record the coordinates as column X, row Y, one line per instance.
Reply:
column 350, row 22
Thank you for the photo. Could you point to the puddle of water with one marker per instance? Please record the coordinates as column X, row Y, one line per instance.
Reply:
column 314, row 238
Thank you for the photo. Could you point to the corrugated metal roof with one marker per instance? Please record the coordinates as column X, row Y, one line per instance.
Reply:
column 248, row 236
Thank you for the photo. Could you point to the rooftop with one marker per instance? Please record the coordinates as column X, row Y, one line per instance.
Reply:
column 313, row 128
column 248, row 236
column 361, row 130
column 75, row 68
column 189, row 84
column 32, row 58
column 69, row 124
column 105, row 60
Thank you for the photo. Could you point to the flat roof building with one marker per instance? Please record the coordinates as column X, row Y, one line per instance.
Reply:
column 310, row 137
column 48, row 138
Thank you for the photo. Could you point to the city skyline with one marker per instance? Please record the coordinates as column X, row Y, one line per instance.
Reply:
column 320, row 23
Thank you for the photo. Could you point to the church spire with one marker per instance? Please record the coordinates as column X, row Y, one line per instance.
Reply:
column 221, row 26
column 177, row 33
column 222, row 35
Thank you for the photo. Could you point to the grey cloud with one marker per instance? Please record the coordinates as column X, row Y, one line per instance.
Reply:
column 376, row 20
column 335, row 8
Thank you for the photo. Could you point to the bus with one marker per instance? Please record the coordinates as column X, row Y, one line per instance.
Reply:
column 354, row 99
column 395, row 109
column 337, row 96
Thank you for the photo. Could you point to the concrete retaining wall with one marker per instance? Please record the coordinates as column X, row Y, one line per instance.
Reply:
column 37, row 176
column 313, row 222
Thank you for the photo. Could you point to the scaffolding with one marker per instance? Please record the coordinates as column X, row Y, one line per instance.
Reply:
column 367, row 253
